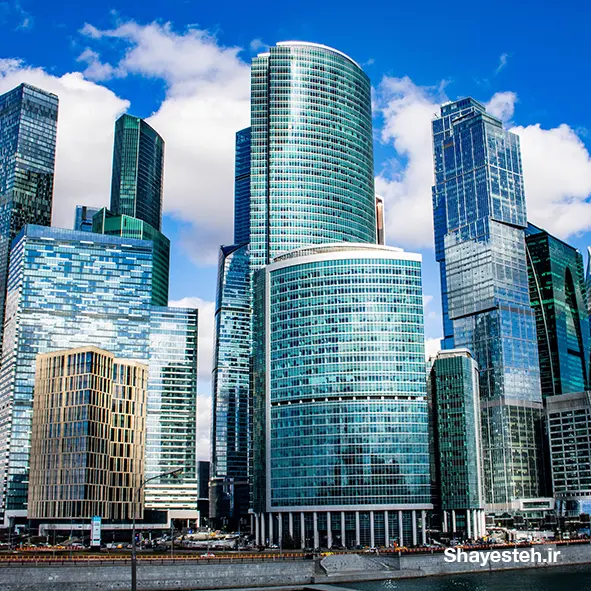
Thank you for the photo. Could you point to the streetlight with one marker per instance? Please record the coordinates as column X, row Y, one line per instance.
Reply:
column 175, row 472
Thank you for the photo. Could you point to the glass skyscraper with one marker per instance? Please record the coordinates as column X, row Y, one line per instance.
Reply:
column 312, row 177
column 83, row 218
column 138, row 171
column 242, row 187
column 341, row 434
column 28, row 127
column 480, row 218
column 559, row 299
column 305, row 169
column 231, row 386
column 457, row 449
column 105, row 222
column 70, row 289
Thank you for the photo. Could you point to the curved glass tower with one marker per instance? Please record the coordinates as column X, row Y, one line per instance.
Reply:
column 312, row 176
column 304, row 175
column 340, row 412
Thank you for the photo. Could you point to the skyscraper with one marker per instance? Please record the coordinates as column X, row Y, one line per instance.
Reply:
column 380, row 229
column 242, row 187
column 69, row 289
column 229, row 492
column 455, row 396
column 105, row 222
column 480, row 217
column 138, row 171
column 312, row 177
column 558, row 297
column 309, row 180
column 341, row 434
column 83, row 218
column 88, row 438
column 28, row 127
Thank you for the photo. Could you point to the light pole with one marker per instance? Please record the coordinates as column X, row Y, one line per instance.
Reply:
column 133, row 546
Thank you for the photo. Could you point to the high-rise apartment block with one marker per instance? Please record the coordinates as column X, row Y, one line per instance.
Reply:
column 341, row 434
column 28, row 127
column 569, row 430
column 559, row 299
column 138, row 171
column 480, row 218
column 68, row 289
column 88, row 436
column 457, row 442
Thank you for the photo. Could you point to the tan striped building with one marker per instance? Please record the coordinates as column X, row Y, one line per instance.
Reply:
column 88, row 439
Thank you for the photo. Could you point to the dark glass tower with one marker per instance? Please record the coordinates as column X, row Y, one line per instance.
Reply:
column 559, row 299
column 455, row 399
column 138, row 171
column 28, row 127
column 242, row 187
column 480, row 218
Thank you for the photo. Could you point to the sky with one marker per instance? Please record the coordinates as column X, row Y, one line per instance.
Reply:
column 184, row 66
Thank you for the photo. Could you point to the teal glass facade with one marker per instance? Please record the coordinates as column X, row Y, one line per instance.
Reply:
column 138, row 171
column 104, row 222
column 312, row 177
column 559, row 298
column 69, row 289
column 457, row 430
column 479, row 219
column 340, row 408
column 28, row 127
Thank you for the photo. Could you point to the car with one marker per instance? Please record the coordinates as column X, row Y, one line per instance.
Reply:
column 208, row 555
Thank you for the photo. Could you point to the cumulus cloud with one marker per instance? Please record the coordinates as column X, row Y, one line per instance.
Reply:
column 405, row 182
column 557, row 176
column 207, row 101
column 556, row 165
column 502, row 105
column 87, row 112
column 205, row 345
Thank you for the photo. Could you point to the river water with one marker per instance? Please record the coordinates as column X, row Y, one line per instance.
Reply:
column 575, row 578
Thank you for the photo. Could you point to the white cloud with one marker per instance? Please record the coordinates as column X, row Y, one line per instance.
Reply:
column 207, row 101
column 502, row 62
column 557, row 176
column 502, row 105
column 95, row 69
column 432, row 347
column 406, row 183
column 205, row 345
column 87, row 112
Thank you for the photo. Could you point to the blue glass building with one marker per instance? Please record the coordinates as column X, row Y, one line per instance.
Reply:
column 480, row 217
column 28, row 127
column 83, row 218
column 229, row 492
column 138, row 171
column 69, row 289
column 341, row 433
column 242, row 187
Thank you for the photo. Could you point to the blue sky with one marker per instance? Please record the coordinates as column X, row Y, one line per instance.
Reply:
column 184, row 65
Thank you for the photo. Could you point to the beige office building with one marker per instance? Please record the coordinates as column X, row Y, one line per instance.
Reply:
column 88, row 440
